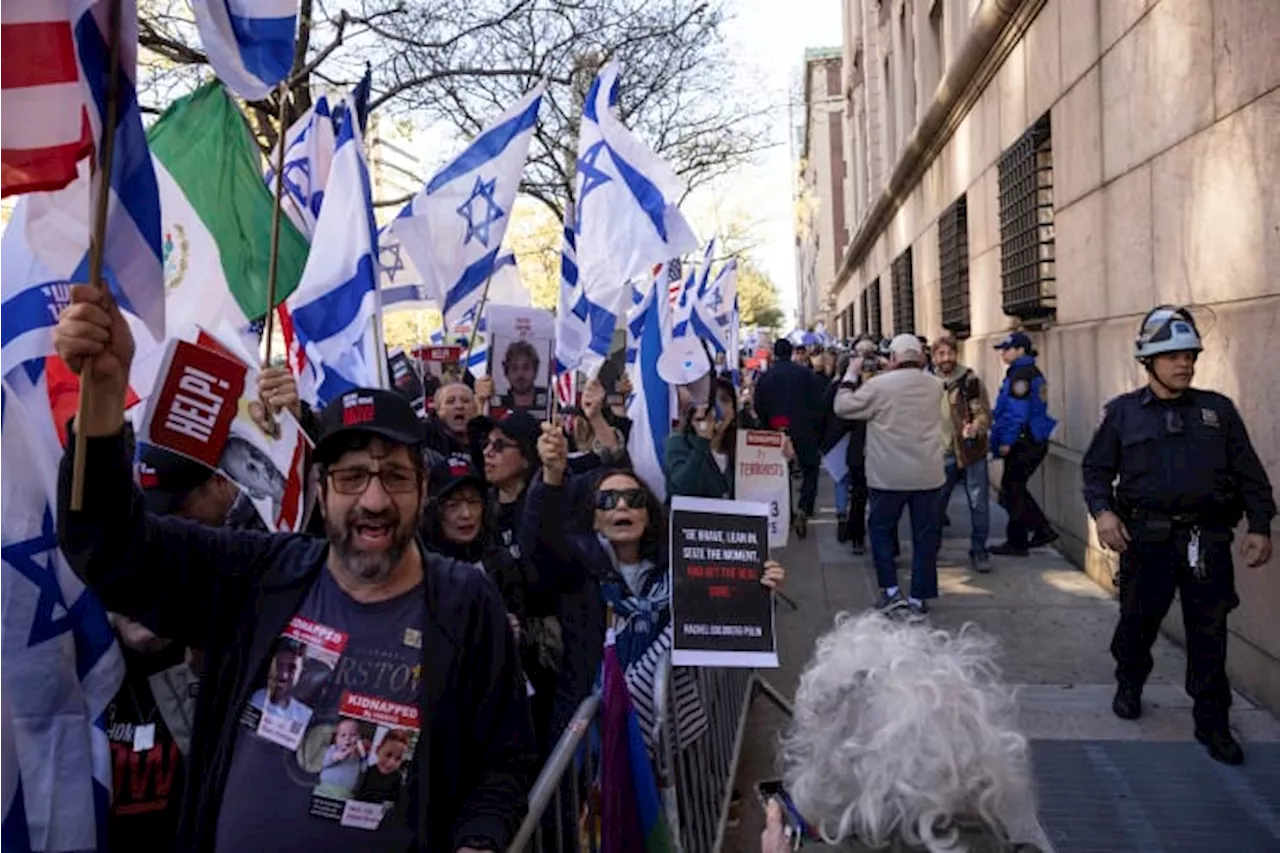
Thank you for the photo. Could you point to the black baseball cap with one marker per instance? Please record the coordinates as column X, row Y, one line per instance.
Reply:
column 452, row 473
column 367, row 410
column 519, row 426
column 166, row 478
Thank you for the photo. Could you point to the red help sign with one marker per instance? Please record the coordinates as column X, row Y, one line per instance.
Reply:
column 196, row 402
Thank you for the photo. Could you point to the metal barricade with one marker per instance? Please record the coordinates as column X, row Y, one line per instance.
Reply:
column 695, row 783
column 560, row 804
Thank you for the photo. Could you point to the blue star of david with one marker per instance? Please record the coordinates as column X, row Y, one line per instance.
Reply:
column 492, row 213
column 396, row 264
column 85, row 620
column 592, row 176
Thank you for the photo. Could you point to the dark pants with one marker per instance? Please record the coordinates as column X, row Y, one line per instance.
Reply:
column 1025, row 516
column 1150, row 572
column 857, row 505
column 926, row 526
column 810, row 461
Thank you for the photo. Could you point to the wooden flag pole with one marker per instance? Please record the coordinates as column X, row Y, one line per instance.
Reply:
column 98, row 240
column 273, row 266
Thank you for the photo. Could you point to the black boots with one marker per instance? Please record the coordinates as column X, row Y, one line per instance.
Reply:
column 842, row 528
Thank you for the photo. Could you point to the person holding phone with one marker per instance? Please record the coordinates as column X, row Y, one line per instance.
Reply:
column 700, row 456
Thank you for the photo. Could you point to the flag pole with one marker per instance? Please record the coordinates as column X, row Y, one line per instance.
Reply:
column 475, row 327
column 97, row 245
column 268, row 329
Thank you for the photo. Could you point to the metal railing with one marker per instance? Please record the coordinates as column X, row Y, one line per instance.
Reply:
column 695, row 783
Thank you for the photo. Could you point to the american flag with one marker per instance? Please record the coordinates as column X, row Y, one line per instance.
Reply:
column 675, row 283
column 44, row 130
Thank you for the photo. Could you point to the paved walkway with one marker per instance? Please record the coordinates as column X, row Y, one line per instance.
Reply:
column 1104, row 784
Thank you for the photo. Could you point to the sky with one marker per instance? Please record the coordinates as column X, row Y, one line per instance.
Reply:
column 774, row 34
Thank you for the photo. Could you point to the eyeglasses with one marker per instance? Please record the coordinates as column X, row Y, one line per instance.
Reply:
column 498, row 445
column 353, row 481
column 607, row 499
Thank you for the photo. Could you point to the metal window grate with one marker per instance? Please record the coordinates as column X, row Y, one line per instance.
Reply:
column 1026, row 225
column 953, row 257
column 904, row 294
column 871, row 308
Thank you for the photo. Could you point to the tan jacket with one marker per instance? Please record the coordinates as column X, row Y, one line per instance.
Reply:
column 965, row 400
column 903, row 411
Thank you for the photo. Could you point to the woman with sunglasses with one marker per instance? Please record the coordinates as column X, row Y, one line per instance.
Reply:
column 621, row 565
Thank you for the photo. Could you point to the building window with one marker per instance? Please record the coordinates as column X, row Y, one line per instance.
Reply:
column 904, row 295
column 871, row 308
column 1026, row 225
column 953, row 258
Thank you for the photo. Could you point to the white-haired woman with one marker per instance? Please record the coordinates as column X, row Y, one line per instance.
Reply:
column 905, row 734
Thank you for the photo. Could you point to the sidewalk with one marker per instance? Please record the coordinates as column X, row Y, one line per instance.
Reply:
column 1104, row 784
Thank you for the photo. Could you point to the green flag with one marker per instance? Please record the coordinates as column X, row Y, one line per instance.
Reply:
column 216, row 215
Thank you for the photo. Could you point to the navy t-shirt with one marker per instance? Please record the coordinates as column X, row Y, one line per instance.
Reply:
column 324, row 745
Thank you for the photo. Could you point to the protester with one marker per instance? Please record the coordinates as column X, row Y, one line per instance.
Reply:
column 447, row 431
column 903, row 411
column 834, row 430
column 789, row 398
column 597, row 434
column 699, row 459
column 1020, row 436
column 370, row 593
column 621, row 567
column 459, row 523
column 905, row 734
column 966, row 419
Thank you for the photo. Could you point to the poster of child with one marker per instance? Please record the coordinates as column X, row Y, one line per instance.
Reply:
column 343, row 760
column 385, row 774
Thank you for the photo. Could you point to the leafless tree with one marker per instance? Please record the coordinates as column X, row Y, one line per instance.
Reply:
column 461, row 62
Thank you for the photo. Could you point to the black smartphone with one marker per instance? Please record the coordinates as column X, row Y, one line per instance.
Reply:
column 797, row 830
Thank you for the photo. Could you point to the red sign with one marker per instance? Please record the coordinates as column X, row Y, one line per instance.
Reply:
column 383, row 712
column 763, row 438
column 445, row 355
column 196, row 402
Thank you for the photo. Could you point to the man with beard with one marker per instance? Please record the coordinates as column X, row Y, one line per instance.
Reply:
column 394, row 636
column 520, row 367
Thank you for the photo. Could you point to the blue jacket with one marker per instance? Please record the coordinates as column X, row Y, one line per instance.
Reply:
column 1023, row 404
column 232, row 593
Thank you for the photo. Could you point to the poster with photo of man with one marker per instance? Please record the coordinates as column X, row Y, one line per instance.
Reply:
column 522, row 341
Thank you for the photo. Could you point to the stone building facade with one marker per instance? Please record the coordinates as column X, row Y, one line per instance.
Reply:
column 1064, row 166
column 822, row 231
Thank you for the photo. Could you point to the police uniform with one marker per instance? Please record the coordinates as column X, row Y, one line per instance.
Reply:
column 1180, row 473
column 1021, row 422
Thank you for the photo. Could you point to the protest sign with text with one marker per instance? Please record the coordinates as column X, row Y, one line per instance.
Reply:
column 721, row 615
column 199, row 393
column 761, row 475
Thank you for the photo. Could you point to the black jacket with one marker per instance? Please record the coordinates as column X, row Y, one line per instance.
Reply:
column 232, row 594
column 789, row 397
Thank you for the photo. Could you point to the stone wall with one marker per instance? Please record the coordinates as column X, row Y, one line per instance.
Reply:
column 1166, row 137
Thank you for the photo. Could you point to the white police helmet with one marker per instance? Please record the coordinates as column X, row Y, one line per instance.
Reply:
column 1167, row 329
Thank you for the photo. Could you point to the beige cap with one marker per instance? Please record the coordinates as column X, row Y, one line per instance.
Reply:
column 906, row 344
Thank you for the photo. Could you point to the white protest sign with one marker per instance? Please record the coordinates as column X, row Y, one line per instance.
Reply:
column 761, row 475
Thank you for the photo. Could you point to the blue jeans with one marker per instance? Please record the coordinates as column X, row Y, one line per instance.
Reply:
column 842, row 496
column 977, row 490
column 926, row 525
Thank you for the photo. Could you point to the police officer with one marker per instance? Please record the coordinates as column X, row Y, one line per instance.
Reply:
column 1187, row 473
column 1020, row 430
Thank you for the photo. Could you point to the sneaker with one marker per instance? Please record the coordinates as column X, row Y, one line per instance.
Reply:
column 801, row 524
column 891, row 604
column 1004, row 549
column 1128, row 703
column 842, row 528
column 981, row 563
column 1221, row 745
column 918, row 608
column 1043, row 538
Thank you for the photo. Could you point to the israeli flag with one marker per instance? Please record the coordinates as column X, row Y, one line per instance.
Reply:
column 399, row 281
column 62, row 665
column 308, row 158
column 627, row 219
column 650, row 405
column 249, row 42
column 572, row 333
column 453, row 228
column 334, row 317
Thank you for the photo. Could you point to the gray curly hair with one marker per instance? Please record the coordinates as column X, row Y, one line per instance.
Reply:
column 902, row 729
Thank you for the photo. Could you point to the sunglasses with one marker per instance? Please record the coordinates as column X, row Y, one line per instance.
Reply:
column 499, row 445
column 607, row 499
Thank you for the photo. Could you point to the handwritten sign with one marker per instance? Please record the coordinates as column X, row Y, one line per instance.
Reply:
column 761, row 475
column 721, row 615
